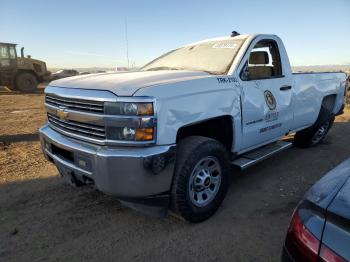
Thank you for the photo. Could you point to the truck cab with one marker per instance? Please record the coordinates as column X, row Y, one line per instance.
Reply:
column 8, row 63
column 165, row 137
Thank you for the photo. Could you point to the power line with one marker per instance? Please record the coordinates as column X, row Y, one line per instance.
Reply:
column 127, row 42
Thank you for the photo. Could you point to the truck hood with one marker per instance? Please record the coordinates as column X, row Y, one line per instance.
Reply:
column 127, row 83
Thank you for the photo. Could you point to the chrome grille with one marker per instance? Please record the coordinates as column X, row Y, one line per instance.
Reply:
column 78, row 128
column 81, row 114
column 75, row 104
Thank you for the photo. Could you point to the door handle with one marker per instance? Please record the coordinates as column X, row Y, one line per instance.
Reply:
column 284, row 88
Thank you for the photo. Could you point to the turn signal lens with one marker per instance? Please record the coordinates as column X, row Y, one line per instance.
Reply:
column 145, row 109
column 144, row 134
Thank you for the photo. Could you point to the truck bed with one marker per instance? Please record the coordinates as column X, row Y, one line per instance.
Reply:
column 311, row 88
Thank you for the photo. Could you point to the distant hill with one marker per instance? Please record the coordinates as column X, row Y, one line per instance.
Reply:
column 82, row 69
column 323, row 68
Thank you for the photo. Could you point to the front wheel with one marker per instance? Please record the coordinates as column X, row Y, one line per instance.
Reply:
column 26, row 82
column 201, row 178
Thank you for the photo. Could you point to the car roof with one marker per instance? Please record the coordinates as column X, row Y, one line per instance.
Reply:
column 4, row 43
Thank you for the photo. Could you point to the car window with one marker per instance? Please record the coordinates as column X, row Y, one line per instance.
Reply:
column 264, row 62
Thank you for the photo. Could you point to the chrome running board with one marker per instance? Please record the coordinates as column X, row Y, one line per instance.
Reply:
column 253, row 157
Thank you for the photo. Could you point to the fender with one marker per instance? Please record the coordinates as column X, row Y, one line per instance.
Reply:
column 192, row 102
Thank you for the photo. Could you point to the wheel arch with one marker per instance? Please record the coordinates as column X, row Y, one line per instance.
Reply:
column 22, row 71
column 328, row 102
column 220, row 128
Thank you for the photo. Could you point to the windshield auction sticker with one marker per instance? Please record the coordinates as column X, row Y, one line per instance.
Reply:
column 225, row 45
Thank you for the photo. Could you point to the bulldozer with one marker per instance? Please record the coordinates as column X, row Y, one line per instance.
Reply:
column 20, row 73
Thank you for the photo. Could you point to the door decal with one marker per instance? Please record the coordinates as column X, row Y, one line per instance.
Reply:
column 270, row 100
column 268, row 128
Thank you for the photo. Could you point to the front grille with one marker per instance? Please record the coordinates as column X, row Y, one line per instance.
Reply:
column 78, row 128
column 75, row 104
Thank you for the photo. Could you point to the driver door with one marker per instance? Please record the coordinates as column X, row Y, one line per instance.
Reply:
column 266, row 96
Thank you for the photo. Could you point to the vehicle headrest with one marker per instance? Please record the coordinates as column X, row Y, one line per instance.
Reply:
column 259, row 58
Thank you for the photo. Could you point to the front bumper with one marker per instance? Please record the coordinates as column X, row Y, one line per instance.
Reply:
column 130, row 173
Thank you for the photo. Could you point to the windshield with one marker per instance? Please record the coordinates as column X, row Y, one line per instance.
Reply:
column 214, row 57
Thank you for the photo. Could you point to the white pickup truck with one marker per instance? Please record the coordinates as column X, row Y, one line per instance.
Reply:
column 165, row 137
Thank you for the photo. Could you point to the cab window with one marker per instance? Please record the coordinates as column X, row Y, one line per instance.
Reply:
column 12, row 52
column 4, row 52
column 264, row 62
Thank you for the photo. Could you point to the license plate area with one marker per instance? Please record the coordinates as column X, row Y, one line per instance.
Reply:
column 77, row 159
column 62, row 153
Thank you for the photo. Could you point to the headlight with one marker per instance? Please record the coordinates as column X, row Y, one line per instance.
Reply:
column 140, row 125
column 130, row 133
column 129, row 109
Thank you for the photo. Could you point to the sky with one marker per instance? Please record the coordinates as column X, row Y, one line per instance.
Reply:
column 75, row 34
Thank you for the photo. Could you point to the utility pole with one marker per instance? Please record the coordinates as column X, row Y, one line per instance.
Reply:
column 127, row 43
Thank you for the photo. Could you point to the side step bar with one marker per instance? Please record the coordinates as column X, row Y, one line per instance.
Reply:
column 253, row 157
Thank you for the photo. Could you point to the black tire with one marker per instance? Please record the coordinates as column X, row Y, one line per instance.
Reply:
column 26, row 82
column 317, row 132
column 191, row 151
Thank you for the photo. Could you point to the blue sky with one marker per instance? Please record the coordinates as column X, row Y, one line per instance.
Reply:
column 92, row 33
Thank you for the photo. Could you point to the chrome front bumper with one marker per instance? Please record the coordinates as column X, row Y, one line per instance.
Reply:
column 125, row 172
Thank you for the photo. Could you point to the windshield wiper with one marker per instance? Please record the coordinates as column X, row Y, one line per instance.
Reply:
column 162, row 68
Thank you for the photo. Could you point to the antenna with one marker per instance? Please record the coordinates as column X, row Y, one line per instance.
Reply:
column 126, row 40
column 234, row 33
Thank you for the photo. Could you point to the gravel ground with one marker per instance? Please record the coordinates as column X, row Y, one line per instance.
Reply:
column 43, row 219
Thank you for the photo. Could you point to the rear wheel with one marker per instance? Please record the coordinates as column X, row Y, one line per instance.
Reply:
column 321, row 133
column 316, row 133
column 201, row 178
column 26, row 82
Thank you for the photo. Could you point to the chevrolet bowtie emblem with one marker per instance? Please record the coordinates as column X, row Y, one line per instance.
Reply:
column 61, row 113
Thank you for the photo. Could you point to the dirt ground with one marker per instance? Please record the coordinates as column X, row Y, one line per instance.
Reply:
column 44, row 219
